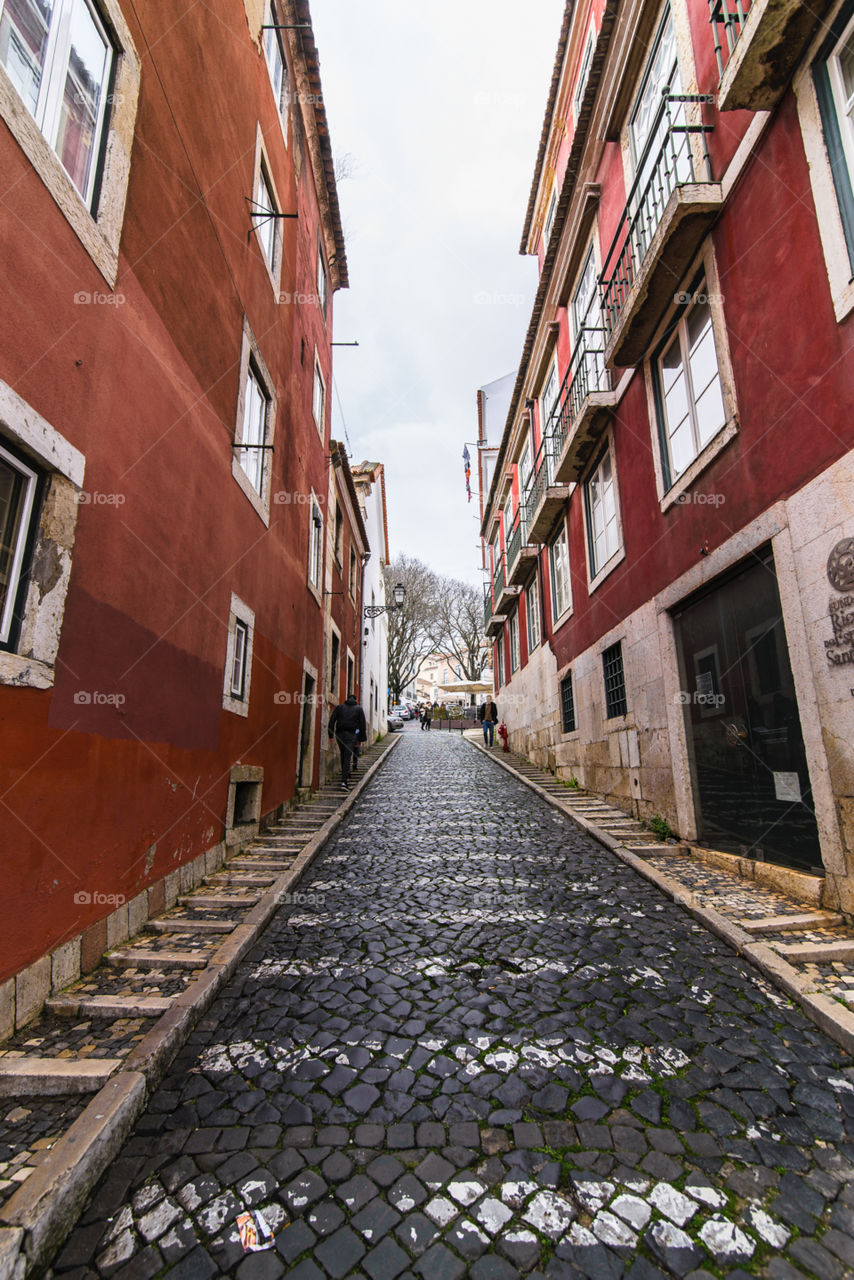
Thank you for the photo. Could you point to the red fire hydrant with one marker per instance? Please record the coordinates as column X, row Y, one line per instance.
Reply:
column 502, row 733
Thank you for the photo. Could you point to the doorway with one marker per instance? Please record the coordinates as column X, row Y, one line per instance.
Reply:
column 750, row 777
column 304, row 770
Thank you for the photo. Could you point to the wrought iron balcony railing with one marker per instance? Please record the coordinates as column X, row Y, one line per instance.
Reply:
column 727, row 18
column 543, row 474
column 514, row 542
column 587, row 371
column 487, row 605
column 668, row 165
column 498, row 579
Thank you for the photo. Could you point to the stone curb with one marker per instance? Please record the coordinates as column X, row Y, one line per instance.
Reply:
column 36, row 1220
column 834, row 1020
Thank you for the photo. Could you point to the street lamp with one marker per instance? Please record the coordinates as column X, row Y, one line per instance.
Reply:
column 374, row 610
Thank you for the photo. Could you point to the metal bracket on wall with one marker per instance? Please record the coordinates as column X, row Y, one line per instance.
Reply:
column 258, row 220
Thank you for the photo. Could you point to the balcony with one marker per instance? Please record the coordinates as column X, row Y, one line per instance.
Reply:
column 585, row 405
column 758, row 44
column 670, row 209
column 492, row 621
column 545, row 496
column 521, row 555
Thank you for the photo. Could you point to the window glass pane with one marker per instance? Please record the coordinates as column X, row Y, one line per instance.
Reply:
column 85, row 83
column 276, row 64
column 254, row 431
column 265, row 226
column 548, row 397
column 238, row 666
column 846, row 68
column 710, row 413
column 662, row 72
column 24, row 27
column 12, row 492
column 585, row 295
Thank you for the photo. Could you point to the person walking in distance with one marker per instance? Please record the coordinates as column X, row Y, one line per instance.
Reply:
column 347, row 726
column 426, row 716
column 487, row 714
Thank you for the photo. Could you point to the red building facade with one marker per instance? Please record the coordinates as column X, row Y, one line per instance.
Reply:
column 171, row 245
column 670, row 526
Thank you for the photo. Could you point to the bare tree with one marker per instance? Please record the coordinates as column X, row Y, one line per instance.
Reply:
column 458, row 629
column 412, row 629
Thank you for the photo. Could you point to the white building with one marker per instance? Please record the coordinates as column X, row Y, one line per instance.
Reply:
column 369, row 478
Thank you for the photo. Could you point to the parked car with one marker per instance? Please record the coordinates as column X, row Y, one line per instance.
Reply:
column 394, row 722
column 401, row 711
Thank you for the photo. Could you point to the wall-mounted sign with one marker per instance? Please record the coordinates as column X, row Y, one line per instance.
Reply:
column 840, row 575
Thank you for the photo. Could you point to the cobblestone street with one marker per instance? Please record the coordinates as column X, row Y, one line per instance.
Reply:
column 480, row 1045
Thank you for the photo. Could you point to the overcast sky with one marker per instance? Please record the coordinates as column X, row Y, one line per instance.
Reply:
column 438, row 110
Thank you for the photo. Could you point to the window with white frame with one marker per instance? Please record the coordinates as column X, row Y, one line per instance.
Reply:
column 315, row 544
column 584, row 73
column 559, row 573
column 499, row 670
column 689, row 396
column 548, row 396
column 514, row 641
column 319, row 399
column 263, row 216
column 59, row 58
column 238, row 657
column 532, row 612
column 18, row 489
column 833, row 75
column 525, row 468
column 277, row 65
column 256, row 414
column 322, row 280
column 551, row 211
column 603, row 524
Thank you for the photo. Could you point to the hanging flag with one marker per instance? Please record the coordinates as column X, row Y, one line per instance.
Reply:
column 467, row 461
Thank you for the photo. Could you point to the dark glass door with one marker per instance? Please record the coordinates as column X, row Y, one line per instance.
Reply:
column 744, row 731
column 304, row 770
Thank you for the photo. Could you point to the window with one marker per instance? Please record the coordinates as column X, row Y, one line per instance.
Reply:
column 688, row 385
column 548, row 225
column 603, row 526
column 339, row 534
column 351, row 669
column 559, row 565
column 833, row 74
column 277, row 66
column 334, row 659
column 315, row 544
column 319, row 403
column 584, row 73
column 18, row 486
column 567, row 704
column 499, row 671
column 238, row 658
column 532, row 610
column 373, row 606
column 238, row 662
column 256, row 407
column 265, row 226
column 615, row 681
column 322, row 280
column 648, row 121
column 514, row 641
column 59, row 59
column 525, row 468
column 353, row 573
column 548, row 396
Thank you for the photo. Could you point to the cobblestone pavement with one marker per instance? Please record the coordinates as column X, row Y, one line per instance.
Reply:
column 480, row 1045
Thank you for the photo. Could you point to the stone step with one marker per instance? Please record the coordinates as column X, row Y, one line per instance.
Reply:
column 29, row 1077
column 183, row 924
column 108, row 1006
column 220, row 900
column 652, row 846
column 131, row 959
column 245, row 879
column 793, row 923
column 247, row 862
column 815, row 952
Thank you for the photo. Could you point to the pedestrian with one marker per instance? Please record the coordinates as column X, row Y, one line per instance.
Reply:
column 426, row 716
column 347, row 726
column 487, row 714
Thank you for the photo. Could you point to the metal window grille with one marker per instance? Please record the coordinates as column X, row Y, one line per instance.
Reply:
column 567, row 703
column 615, row 681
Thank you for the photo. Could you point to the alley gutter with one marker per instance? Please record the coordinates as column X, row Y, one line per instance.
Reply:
column 37, row 1219
column 830, row 1016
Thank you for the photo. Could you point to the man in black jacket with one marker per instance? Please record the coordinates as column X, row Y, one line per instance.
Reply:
column 487, row 714
column 347, row 726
